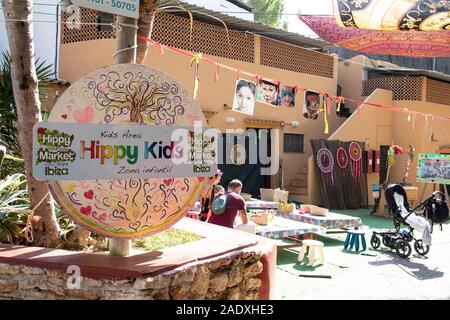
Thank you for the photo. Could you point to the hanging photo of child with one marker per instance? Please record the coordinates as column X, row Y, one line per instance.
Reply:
column 268, row 92
column 311, row 106
column 244, row 97
column 287, row 97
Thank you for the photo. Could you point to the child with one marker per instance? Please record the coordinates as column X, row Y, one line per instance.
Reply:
column 207, row 195
column 217, row 190
column 245, row 96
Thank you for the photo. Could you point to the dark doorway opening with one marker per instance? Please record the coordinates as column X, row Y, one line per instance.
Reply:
column 241, row 159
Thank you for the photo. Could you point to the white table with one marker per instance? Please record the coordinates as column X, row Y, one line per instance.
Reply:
column 281, row 228
column 251, row 204
column 260, row 204
column 330, row 221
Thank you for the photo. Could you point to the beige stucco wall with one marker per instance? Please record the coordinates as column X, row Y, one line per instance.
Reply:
column 371, row 125
column 79, row 58
column 385, row 127
column 425, row 137
column 350, row 74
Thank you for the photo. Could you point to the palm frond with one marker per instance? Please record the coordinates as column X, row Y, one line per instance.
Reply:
column 8, row 113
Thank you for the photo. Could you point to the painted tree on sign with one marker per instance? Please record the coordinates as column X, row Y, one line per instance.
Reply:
column 140, row 97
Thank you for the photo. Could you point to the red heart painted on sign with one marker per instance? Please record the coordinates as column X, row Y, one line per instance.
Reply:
column 167, row 182
column 89, row 194
column 200, row 179
column 102, row 216
column 86, row 210
column 64, row 116
column 85, row 115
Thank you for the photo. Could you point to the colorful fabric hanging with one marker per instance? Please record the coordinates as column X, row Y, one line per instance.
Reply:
column 339, row 101
column 424, row 44
column 216, row 73
column 328, row 104
column 325, row 163
column 393, row 150
column 393, row 15
column 325, row 130
column 355, row 152
column 324, row 100
column 195, row 62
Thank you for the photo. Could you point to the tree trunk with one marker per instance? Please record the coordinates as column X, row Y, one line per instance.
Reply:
column 136, row 116
column 80, row 235
column 26, row 96
column 145, row 24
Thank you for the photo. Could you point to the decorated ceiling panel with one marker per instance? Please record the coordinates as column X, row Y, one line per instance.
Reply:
column 424, row 44
column 393, row 15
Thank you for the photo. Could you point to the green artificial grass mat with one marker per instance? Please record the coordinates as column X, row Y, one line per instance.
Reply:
column 336, row 258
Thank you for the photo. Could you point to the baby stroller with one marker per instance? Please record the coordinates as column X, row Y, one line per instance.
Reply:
column 434, row 210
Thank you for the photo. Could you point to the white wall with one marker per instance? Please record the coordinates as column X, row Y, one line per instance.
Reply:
column 3, row 39
column 44, row 28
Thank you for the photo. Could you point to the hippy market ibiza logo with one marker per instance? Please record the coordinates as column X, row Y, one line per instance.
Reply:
column 202, row 150
column 54, row 148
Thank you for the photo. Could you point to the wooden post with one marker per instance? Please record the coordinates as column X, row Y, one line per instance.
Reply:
column 119, row 247
column 380, row 211
column 126, row 53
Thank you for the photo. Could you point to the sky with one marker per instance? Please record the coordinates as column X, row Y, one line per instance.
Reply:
column 318, row 7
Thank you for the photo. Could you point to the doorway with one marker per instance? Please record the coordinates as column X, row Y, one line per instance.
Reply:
column 242, row 158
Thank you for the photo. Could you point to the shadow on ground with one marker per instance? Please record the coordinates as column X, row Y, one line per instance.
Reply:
column 410, row 266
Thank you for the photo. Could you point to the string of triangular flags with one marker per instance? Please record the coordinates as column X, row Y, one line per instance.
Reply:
column 324, row 99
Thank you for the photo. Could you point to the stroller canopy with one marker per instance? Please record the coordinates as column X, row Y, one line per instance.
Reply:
column 389, row 194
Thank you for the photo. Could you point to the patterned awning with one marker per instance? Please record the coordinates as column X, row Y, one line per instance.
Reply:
column 424, row 44
column 393, row 15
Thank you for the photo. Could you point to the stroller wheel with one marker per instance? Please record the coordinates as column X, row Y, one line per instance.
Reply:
column 421, row 248
column 403, row 248
column 386, row 242
column 375, row 242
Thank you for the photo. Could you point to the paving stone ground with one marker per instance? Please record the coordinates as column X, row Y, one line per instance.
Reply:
column 383, row 275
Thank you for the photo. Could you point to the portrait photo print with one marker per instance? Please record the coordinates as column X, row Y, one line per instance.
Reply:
column 287, row 96
column 244, row 97
column 268, row 92
column 311, row 105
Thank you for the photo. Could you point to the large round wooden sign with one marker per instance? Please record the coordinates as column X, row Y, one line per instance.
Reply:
column 127, row 94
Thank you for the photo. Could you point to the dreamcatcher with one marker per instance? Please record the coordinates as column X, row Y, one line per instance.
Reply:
column 355, row 152
column 342, row 158
column 325, row 162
